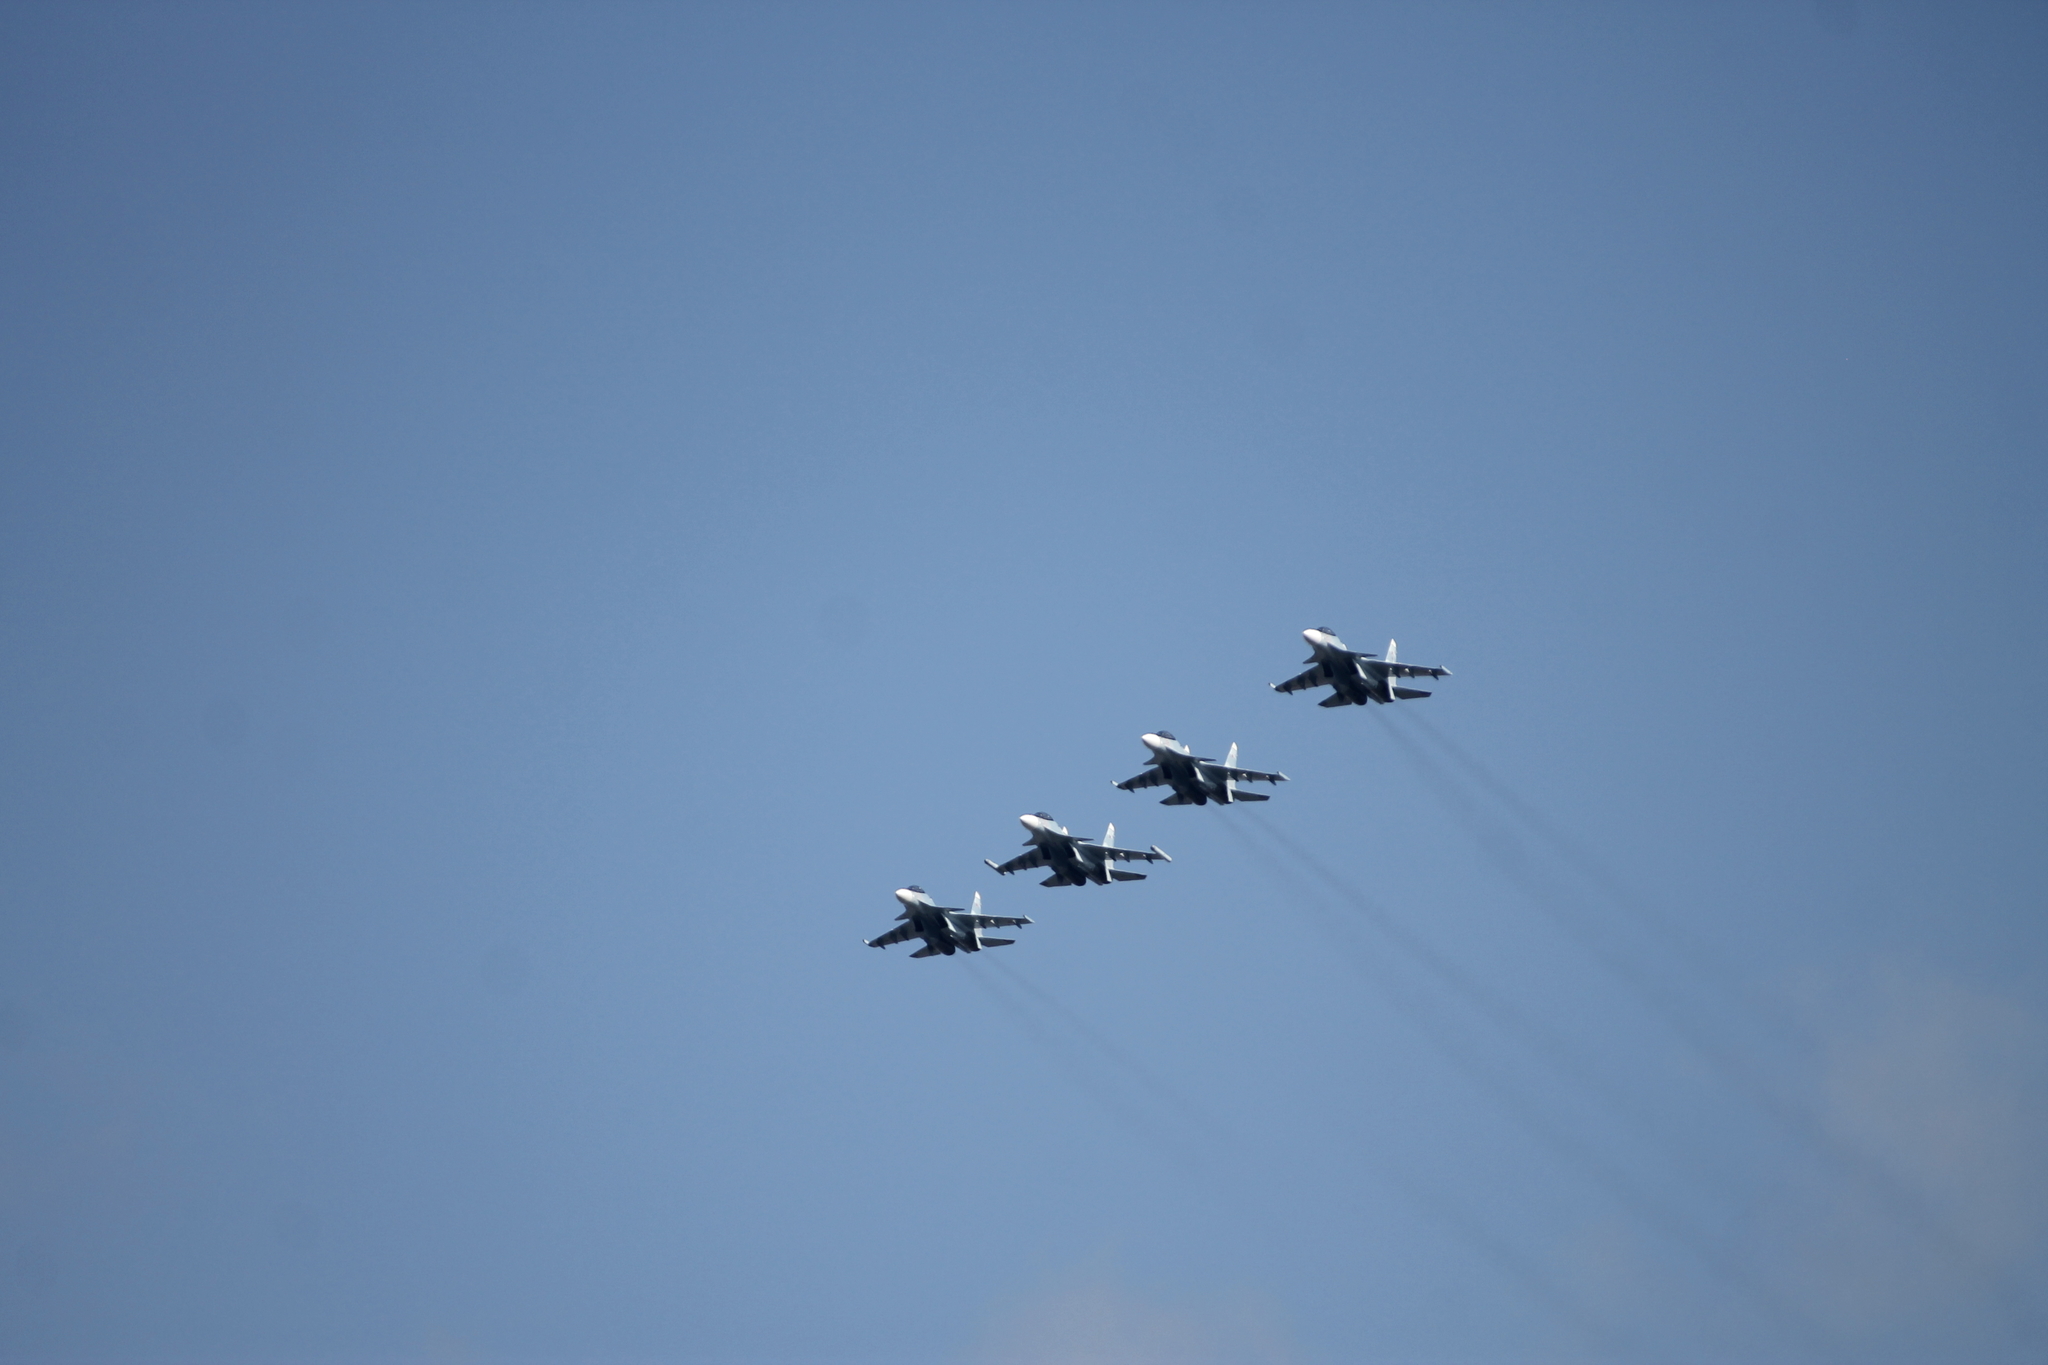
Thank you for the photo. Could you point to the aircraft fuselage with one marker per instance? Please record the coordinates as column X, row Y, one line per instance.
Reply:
column 939, row 930
column 1352, row 676
column 1184, row 773
column 1066, row 854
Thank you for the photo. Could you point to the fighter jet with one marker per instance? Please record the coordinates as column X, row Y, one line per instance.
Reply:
column 943, row 930
column 1195, row 781
column 1075, row 861
column 1357, row 678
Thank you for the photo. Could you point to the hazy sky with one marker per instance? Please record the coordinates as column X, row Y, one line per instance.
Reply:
column 521, row 525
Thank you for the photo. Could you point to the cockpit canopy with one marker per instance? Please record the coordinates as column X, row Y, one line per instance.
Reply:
column 1041, row 815
column 1167, row 734
column 918, row 889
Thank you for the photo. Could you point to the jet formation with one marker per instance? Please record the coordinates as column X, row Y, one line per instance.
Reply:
column 1355, row 679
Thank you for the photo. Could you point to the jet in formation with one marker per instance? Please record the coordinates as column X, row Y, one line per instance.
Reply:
column 1195, row 781
column 1075, row 861
column 943, row 930
column 1358, row 678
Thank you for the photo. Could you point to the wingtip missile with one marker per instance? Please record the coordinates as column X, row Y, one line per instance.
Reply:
column 989, row 863
column 1161, row 852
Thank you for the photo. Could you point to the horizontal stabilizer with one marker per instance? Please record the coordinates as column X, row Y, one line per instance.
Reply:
column 997, row 942
column 1056, row 879
column 1248, row 796
column 1178, row 800
column 925, row 951
column 1335, row 699
column 1408, row 694
column 1119, row 874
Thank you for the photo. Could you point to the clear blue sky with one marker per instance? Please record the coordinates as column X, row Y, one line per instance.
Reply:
column 521, row 525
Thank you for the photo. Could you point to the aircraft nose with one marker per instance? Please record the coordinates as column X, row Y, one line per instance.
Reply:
column 903, row 894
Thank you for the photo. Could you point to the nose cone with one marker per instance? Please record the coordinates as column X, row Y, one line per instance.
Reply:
column 1035, row 823
column 1152, row 739
column 911, row 895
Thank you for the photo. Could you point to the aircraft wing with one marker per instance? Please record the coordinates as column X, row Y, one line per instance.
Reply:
column 1131, row 855
column 988, row 921
column 1319, row 676
column 902, row 933
column 1030, row 857
column 1245, row 774
column 1413, row 671
column 1151, row 777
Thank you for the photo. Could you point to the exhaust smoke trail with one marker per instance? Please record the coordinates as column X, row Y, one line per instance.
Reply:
column 1213, row 1167
column 1161, row 1089
column 1437, row 1204
column 1490, row 1080
column 1510, row 1019
column 1792, row 1117
column 1139, row 1124
column 1702, row 962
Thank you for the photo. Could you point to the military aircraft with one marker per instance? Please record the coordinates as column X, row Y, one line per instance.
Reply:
column 1075, row 861
column 1357, row 678
column 943, row 930
column 1195, row 781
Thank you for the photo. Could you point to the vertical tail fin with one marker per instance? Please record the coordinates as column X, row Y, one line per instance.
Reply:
column 1230, row 783
column 1390, row 651
column 977, row 904
column 1109, row 836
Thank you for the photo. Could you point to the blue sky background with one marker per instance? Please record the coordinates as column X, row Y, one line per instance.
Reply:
column 521, row 525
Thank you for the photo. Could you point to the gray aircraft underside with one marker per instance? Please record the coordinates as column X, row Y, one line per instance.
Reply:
column 943, row 930
column 1356, row 678
column 1075, row 861
column 1196, row 781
